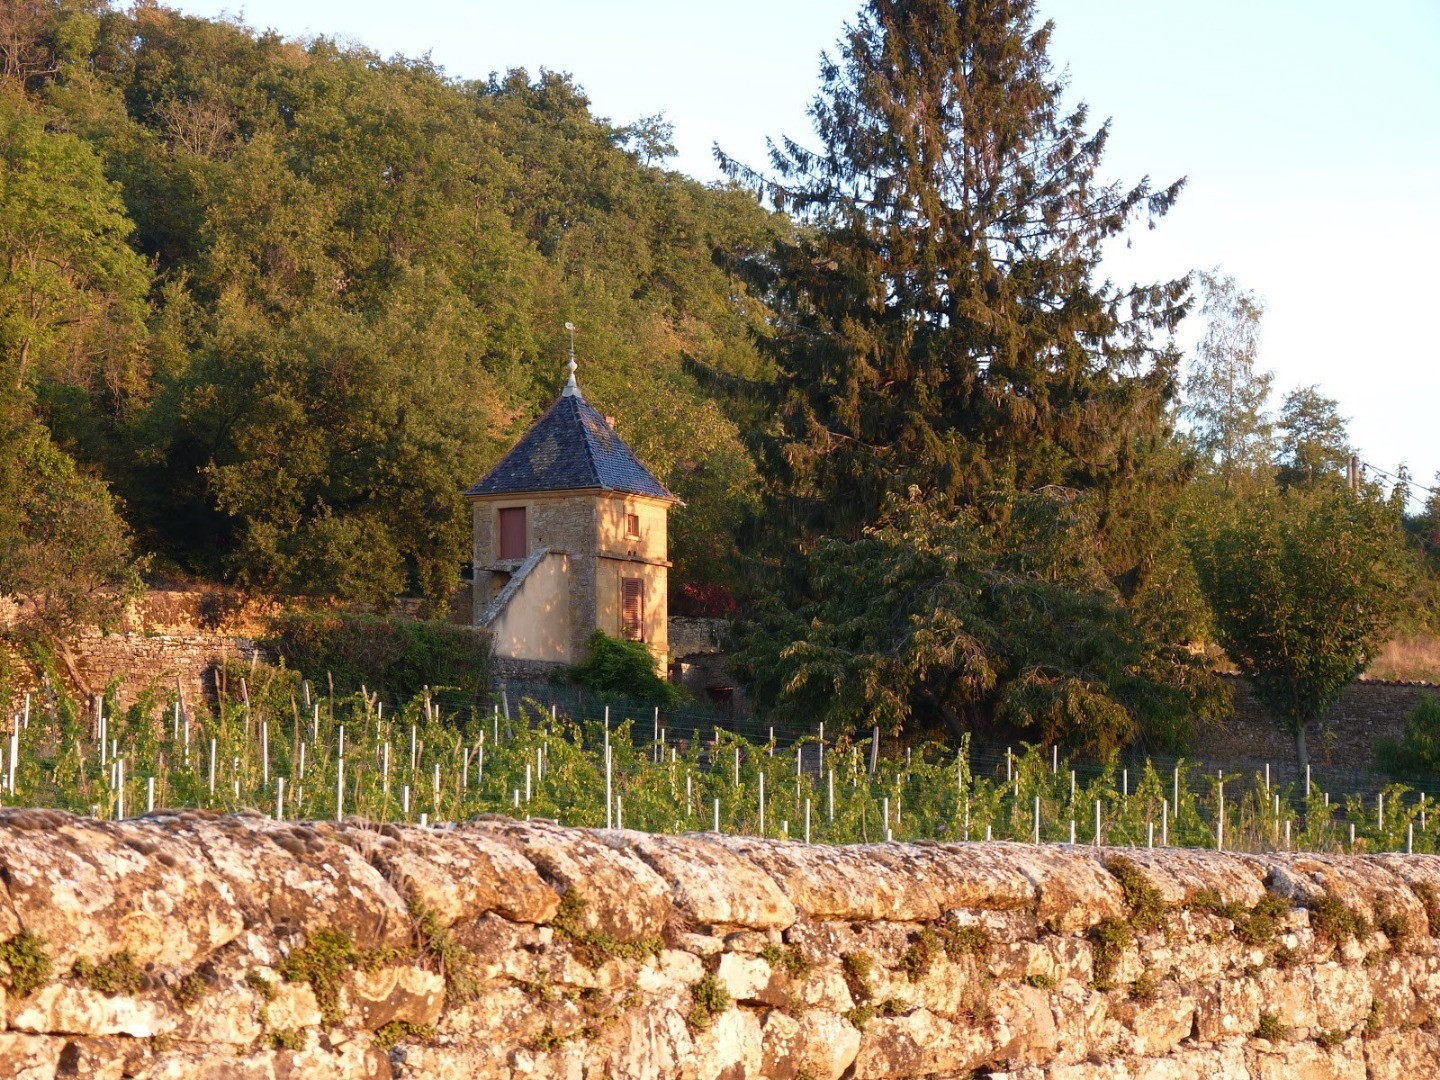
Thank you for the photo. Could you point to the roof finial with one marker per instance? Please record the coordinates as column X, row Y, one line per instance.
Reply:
column 571, row 389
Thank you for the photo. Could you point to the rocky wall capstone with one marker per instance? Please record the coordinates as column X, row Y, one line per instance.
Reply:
column 189, row 944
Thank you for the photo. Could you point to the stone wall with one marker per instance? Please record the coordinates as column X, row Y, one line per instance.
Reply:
column 190, row 945
column 139, row 661
column 1344, row 736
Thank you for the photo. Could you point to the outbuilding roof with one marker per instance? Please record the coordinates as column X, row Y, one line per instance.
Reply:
column 571, row 447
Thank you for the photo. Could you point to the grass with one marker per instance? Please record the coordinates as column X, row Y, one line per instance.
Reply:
column 1407, row 659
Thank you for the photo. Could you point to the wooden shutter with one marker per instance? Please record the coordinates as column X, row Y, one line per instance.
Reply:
column 632, row 609
column 512, row 533
column 632, row 526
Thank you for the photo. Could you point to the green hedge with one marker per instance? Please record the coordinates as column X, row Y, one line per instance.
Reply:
column 398, row 657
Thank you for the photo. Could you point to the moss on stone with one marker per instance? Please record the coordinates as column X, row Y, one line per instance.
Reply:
column 1147, row 906
column 710, row 1000
column 29, row 963
column 594, row 947
column 1108, row 941
column 191, row 990
column 398, row 1031
column 324, row 961
column 115, row 976
column 1271, row 1028
column 1334, row 921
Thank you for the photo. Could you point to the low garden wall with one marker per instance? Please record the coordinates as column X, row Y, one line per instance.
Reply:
column 187, row 944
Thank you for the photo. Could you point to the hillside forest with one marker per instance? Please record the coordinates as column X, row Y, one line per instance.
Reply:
column 268, row 306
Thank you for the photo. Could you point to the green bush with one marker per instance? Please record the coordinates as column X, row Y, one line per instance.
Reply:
column 1417, row 752
column 398, row 657
column 624, row 667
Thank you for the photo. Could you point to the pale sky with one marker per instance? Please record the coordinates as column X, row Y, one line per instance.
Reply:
column 1309, row 131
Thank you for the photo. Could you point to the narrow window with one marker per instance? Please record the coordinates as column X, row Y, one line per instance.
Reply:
column 632, row 526
column 632, row 610
column 512, row 533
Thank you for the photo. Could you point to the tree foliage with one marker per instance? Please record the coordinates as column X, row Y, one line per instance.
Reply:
column 293, row 298
column 937, row 316
column 65, row 555
column 1304, row 587
column 938, row 617
column 1314, row 443
column 1225, row 396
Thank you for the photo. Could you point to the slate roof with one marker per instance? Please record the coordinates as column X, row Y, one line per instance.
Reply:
column 570, row 447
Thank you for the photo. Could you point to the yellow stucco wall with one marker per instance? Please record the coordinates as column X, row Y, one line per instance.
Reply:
column 535, row 624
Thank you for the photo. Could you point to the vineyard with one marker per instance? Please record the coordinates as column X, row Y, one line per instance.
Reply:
column 269, row 742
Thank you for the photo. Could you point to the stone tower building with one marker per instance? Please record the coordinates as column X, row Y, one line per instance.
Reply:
column 570, row 537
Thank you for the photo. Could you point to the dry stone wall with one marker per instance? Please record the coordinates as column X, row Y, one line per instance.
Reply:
column 185, row 944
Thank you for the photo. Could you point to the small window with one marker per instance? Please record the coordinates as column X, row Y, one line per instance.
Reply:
column 632, row 609
column 512, row 533
column 632, row 526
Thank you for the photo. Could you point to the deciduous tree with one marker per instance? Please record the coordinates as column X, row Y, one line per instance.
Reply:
column 1304, row 586
column 1225, row 396
column 1314, row 442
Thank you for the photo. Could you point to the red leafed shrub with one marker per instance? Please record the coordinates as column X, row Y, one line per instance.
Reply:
column 705, row 600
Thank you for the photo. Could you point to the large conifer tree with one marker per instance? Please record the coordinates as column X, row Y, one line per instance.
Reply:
column 937, row 318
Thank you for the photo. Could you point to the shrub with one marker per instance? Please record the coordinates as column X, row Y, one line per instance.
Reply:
column 399, row 657
column 1417, row 751
column 624, row 667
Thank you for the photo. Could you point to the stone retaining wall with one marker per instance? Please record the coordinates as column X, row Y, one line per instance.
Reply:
column 186, row 944
column 1345, row 735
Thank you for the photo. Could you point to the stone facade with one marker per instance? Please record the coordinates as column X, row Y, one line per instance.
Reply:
column 506, row 949
column 585, row 551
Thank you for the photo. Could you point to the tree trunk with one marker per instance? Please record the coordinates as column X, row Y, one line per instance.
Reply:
column 1300, row 754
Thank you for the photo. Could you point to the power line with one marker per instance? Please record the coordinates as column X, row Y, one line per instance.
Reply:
column 1399, row 479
